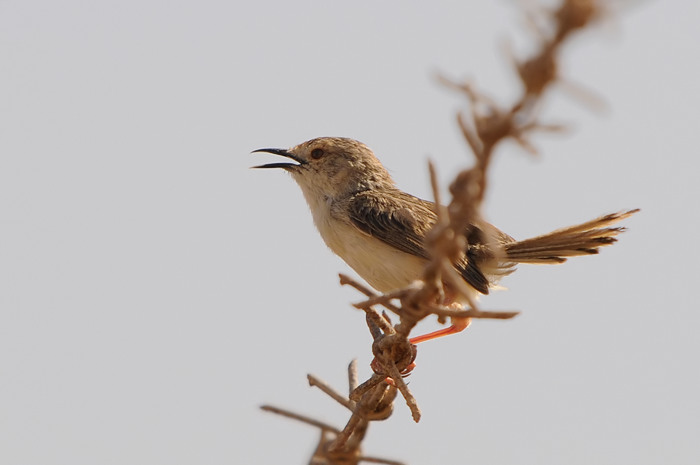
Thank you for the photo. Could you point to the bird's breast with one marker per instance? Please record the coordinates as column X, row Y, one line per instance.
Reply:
column 384, row 267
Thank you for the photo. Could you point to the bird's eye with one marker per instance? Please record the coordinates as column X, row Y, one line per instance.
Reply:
column 316, row 153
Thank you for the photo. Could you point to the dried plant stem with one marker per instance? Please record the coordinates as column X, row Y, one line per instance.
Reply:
column 332, row 393
column 484, row 126
column 301, row 418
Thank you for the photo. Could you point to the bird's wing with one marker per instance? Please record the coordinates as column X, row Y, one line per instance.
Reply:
column 391, row 218
column 402, row 221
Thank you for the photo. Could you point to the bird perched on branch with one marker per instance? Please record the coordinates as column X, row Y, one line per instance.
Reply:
column 380, row 230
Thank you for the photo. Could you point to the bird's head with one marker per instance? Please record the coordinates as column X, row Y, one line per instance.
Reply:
column 332, row 167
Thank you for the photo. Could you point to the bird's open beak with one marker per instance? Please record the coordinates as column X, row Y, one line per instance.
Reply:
column 284, row 153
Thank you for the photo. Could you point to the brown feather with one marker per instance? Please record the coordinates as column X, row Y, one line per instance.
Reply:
column 582, row 239
column 390, row 217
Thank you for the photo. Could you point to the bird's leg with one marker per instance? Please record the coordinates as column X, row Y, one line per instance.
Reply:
column 458, row 325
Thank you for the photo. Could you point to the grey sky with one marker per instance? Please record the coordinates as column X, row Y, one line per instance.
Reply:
column 155, row 291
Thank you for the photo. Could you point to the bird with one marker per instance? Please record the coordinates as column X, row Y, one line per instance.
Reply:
column 380, row 230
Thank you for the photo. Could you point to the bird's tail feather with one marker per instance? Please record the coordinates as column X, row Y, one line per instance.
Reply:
column 583, row 239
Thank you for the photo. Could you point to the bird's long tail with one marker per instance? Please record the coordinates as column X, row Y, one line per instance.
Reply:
column 557, row 246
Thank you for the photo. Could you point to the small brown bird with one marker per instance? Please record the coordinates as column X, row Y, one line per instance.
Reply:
column 380, row 230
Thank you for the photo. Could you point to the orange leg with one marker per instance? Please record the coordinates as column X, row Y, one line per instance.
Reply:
column 458, row 325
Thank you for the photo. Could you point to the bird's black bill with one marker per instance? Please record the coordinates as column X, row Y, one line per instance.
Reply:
column 276, row 165
column 281, row 152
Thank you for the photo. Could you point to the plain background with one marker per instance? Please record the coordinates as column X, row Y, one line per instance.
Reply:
column 154, row 291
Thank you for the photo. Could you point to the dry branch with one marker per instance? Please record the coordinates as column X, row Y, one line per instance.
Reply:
column 343, row 447
column 484, row 127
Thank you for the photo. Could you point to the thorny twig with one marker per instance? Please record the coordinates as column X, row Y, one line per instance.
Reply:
column 483, row 128
column 336, row 447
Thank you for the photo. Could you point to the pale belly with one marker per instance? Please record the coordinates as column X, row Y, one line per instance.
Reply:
column 382, row 266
